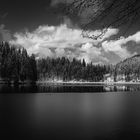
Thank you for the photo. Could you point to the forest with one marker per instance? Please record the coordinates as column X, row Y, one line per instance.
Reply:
column 129, row 67
column 17, row 66
column 66, row 70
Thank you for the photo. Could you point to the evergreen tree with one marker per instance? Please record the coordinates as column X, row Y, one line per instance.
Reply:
column 15, row 64
column 32, row 69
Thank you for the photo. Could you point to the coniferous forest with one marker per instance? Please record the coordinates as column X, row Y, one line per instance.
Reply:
column 16, row 65
column 66, row 70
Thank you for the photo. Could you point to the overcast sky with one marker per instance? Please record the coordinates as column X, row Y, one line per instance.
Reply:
column 43, row 28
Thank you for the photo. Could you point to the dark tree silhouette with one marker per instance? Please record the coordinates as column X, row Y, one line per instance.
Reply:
column 66, row 70
column 16, row 65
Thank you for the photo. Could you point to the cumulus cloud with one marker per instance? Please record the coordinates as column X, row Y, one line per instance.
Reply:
column 50, row 37
column 101, row 34
column 119, row 46
column 58, row 41
column 5, row 34
column 113, row 46
column 91, row 53
column 110, row 32
column 60, row 52
column 63, row 40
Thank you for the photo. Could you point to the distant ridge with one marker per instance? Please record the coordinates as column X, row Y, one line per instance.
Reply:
column 129, row 66
column 133, row 58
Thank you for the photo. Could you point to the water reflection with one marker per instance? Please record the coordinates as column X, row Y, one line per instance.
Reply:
column 118, row 88
column 65, row 88
column 70, row 116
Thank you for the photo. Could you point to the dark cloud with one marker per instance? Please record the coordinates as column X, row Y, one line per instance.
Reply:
column 93, row 14
column 4, row 33
column 55, row 27
column 56, row 2
column 82, row 11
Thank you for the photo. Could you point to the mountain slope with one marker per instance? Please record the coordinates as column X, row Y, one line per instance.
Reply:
column 129, row 66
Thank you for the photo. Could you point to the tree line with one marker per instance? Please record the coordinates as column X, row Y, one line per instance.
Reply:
column 17, row 66
column 66, row 70
column 130, row 68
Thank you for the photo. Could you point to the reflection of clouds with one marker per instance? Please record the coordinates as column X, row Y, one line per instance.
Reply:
column 73, row 114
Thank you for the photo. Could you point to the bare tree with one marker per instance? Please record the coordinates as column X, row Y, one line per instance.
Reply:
column 109, row 13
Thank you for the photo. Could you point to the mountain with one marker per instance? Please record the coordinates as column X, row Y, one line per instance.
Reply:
column 129, row 67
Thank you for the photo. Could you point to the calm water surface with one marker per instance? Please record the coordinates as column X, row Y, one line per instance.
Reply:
column 70, row 112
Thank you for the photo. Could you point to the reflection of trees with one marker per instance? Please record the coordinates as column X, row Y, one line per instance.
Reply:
column 6, row 88
column 117, row 88
column 48, row 88
column 105, row 13
column 66, row 88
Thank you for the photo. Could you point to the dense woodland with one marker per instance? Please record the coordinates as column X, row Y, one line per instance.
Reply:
column 130, row 68
column 66, row 70
column 16, row 65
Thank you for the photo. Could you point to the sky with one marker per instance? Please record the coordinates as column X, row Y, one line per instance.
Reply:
column 45, row 29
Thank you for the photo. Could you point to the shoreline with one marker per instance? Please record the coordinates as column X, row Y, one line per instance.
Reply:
column 90, row 83
column 70, row 83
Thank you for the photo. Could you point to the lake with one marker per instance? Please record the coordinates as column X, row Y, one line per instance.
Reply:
column 70, row 112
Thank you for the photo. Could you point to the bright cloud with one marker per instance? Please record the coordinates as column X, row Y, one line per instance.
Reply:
column 112, row 46
column 91, row 53
column 63, row 40
column 110, row 32
column 102, row 34
column 50, row 37
column 58, row 41
column 119, row 46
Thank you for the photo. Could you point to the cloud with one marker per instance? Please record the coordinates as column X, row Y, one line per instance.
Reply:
column 91, row 53
column 60, row 52
column 55, row 2
column 5, row 34
column 119, row 46
column 58, row 41
column 45, row 38
column 135, row 38
column 102, row 34
column 115, row 47
column 110, row 32
column 69, row 22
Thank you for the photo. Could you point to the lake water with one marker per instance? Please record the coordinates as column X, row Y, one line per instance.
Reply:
column 70, row 112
